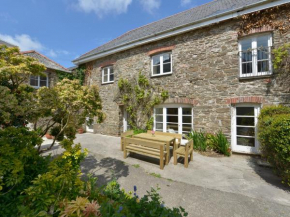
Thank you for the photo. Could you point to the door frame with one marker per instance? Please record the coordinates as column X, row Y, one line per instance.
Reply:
column 87, row 127
column 239, row 148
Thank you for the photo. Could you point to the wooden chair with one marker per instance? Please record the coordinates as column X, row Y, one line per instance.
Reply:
column 184, row 152
column 177, row 136
column 123, row 135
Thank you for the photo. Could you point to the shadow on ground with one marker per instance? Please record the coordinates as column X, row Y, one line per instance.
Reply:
column 106, row 169
column 267, row 174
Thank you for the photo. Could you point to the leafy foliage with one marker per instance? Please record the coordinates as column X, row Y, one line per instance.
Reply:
column 277, row 18
column 76, row 74
column 139, row 97
column 20, row 164
column 205, row 141
column 274, row 137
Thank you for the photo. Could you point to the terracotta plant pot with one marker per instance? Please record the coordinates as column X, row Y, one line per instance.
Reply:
column 80, row 130
column 48, row 136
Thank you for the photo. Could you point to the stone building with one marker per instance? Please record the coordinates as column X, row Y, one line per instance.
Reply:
column 216, row 78
column 51, row 70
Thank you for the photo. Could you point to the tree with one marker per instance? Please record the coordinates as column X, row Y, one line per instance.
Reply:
column 60, row 109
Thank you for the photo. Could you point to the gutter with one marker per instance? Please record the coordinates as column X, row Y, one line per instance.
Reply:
column 185, row 28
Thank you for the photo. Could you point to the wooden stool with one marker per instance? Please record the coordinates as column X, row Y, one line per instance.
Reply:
column 184, row 152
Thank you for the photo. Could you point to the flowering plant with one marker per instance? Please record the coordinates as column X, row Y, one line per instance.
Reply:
column 153, row 132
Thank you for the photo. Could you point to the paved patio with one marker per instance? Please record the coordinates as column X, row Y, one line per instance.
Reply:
column 235, row 186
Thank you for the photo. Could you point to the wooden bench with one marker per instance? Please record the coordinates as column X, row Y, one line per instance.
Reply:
column 147, row 148
column 123, row 135
column 177, row 136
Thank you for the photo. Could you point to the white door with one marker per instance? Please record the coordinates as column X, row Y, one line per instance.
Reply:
column 244, row 128
column 126, row 119
column 174, row 119
column 89, row 125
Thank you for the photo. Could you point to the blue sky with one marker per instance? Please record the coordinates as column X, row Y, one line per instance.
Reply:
column 65, row 29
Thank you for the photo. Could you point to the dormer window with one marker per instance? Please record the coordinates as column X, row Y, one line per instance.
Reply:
column 161, row 64
column 107, row 75
column 38, row 81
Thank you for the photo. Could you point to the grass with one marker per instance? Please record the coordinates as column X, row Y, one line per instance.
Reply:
column 155, row 175
column 136, row 165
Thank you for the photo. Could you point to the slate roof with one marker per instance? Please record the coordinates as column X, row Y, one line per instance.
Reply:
column 45, row 60
column 6, row 43
column 187, row 17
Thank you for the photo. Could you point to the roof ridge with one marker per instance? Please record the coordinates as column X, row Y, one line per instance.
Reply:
column 34, row 51
column 127, row 32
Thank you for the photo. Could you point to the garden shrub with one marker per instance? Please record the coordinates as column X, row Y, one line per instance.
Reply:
column 20, row 164
column 206, row 141
column 199, row 140
column 274, row 137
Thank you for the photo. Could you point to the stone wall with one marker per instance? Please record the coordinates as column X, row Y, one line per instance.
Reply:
column 205, row 73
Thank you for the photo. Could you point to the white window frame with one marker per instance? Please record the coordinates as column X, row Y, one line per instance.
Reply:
column 38, row 78
column 109, row 74
column 161, row 64
column 254, row 56
column 234, row 145
column 180, row 115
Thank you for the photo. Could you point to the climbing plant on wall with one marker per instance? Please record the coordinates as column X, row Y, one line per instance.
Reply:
column 277, row 18
column 78, row 73
column 139, row 97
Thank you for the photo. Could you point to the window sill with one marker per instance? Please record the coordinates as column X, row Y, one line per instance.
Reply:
column 164, row 74
column 110, row 82
column 255, row 77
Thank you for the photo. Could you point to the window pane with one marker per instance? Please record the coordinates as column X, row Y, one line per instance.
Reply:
column 106, row 78
column 173, row 119
column 159, row 126
column 166, row 58
column 43, row 83
column 186, row 127
column 246, row 141
column 246, row 131
column 262, row 42
column 186, row 119
column 159, row 111
column 172, row 111
column 167, row 67
column 156, row 60
column 246, row 56
column 186, row 111
column 172, row 127
column 156, row 70
column 111, row 77
column 159, row 118
column 34, row 80
column 247, row 68
column 263, row 66
column 246, row 45
column 245, row 121
column 245, row 111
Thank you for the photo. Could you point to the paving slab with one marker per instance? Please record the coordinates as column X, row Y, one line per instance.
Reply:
column 210, row 186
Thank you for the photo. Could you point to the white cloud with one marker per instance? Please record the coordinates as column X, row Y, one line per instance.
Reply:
column 185, row 2
column 103, row 7
column 23, row 41
column 150, row 5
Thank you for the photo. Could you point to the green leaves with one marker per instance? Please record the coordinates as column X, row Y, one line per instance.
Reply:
column 274, row 137
column 139, row 98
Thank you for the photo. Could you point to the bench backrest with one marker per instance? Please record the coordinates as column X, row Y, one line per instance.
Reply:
column 175, row 135
column 142, row 142
column 189, row 146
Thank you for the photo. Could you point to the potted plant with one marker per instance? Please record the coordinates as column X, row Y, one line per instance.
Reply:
column 48, row 136
column 80, row 130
